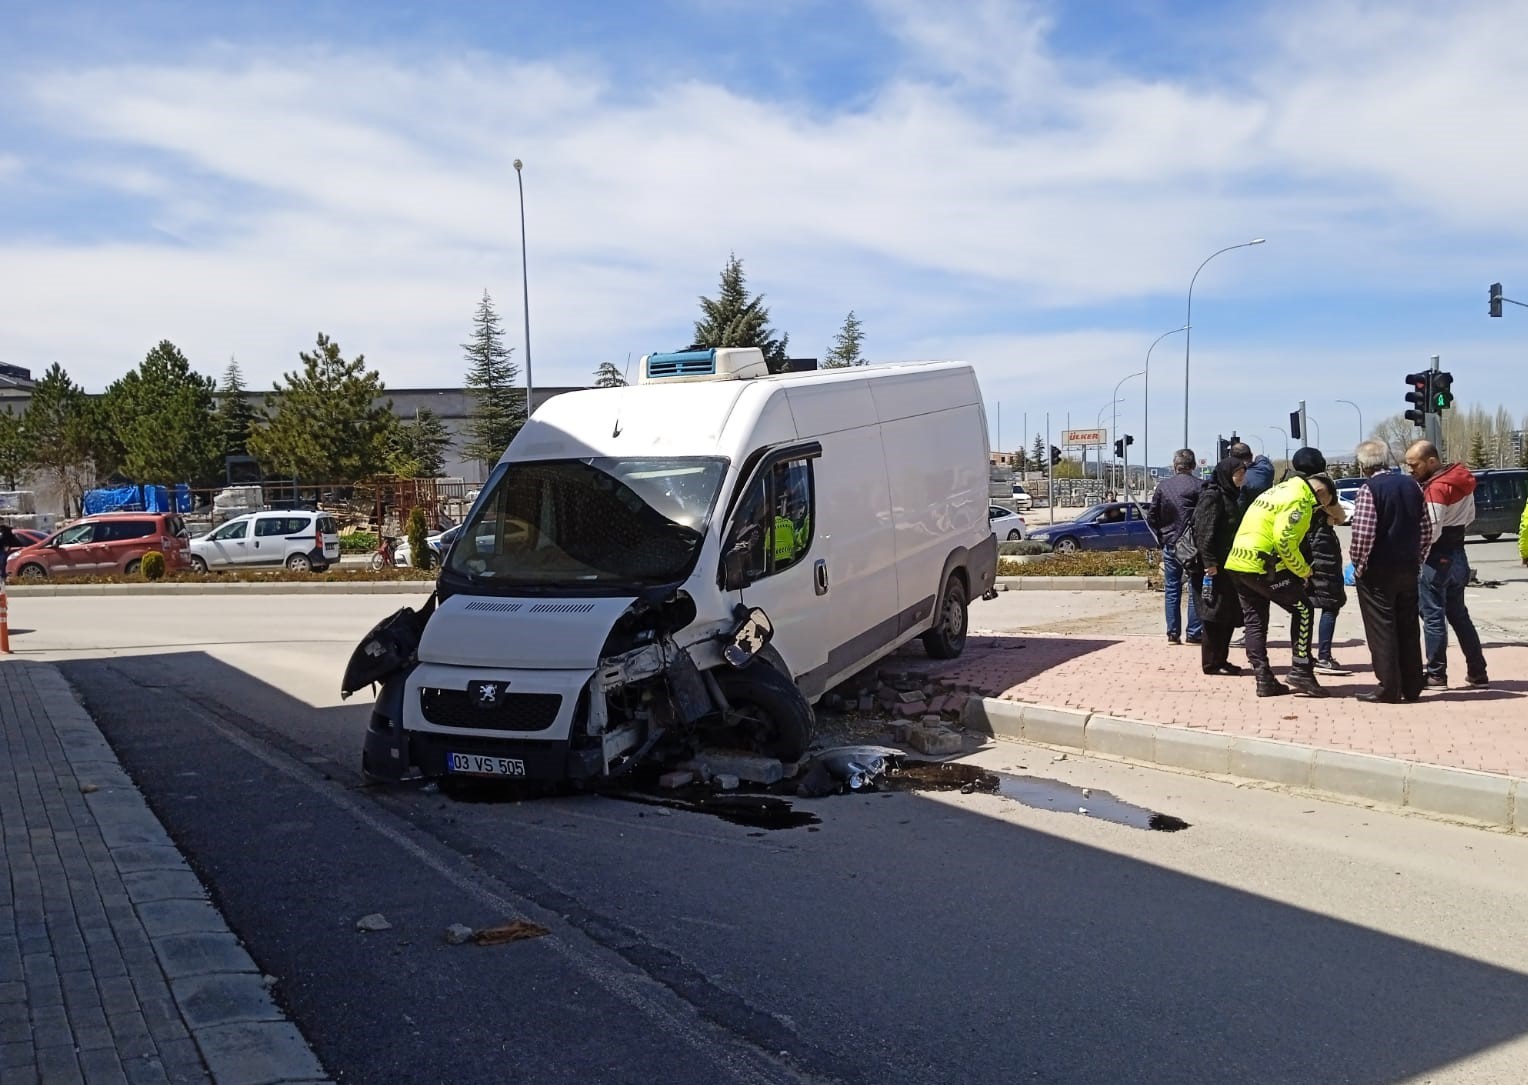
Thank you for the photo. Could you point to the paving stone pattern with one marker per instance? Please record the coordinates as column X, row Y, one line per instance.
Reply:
column 114, row 968
column 1144, row 678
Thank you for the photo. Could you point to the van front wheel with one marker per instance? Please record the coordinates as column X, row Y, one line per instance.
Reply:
column 948, row 637
column 766, row 712
column 1492, row 537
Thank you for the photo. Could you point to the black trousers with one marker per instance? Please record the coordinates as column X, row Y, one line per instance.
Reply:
column 1260, row 590
column 1388, row 602
column 1215, row 648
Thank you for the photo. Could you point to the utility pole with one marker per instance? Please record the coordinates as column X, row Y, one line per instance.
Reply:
column 1304, row 426
column 1050, row 472
column 1434, row 420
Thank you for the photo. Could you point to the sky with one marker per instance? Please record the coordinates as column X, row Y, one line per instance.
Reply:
column 1027, row 186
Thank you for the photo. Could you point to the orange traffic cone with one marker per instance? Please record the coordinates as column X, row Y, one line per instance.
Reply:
column 5, row 622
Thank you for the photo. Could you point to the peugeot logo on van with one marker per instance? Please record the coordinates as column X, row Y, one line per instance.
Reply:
column 485, row 694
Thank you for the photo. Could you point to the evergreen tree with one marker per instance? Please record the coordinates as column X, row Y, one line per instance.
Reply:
column 161, row 415
column 15, row 456
column 608, row 376
column 327, row 422
column 236, row 416
column 1037, row 454
column 57, row 429
column 498, row 406
column 418, row 448
column 845, row 350
column 735, row 320
column 1479, row 457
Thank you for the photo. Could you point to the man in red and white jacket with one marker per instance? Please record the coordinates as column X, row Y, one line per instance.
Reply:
column 1450, row 496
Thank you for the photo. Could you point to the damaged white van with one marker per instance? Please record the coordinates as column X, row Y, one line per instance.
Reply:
column 693, row 560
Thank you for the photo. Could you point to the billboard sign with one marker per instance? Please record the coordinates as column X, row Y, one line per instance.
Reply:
column 1084, row 436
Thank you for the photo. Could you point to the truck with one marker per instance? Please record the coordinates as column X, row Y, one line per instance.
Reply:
column 690, row 561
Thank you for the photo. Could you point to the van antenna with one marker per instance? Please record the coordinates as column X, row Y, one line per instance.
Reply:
column 616, row 432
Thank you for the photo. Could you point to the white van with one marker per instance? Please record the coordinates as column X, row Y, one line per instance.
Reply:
column 696, row 558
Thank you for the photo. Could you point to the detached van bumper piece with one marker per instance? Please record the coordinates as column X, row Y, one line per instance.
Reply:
column 981, row 567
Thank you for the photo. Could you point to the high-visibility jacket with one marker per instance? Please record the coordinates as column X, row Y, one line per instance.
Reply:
column 1270, row 534
column 1522, row 536
column 785, row 539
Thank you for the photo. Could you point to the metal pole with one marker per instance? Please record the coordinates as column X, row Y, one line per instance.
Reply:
column 1286, row 443
column 1146, row 399
column 1304, row 425
column 1355, row 406
column 1188, row 323
column 525, row 290
column 1434, row 420
column 1050, row 475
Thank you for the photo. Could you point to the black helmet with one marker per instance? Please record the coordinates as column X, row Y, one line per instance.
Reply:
column 1308, row 461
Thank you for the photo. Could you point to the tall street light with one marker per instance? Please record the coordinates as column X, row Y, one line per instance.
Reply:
column 1355, row 406
column 1116, row 432
column 525, row 289
column 1285, row 432
column 1188, row 322
column 1097, row 424
column 1146, row 399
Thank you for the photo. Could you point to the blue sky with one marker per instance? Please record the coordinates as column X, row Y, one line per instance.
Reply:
column 1025, row 185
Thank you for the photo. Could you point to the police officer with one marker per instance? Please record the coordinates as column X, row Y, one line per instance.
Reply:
column 1267, row 567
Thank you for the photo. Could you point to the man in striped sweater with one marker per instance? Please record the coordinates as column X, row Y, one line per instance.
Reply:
column 1450, row 495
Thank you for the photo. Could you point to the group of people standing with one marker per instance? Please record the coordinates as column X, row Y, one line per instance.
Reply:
column 1238, row 543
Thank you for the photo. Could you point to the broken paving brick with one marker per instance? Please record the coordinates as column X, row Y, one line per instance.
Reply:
column 912, row 710
column 935, row 741
column 911, row 696
column 677, row 778
column 751, row 767
column 516, row 931
column 374, row 922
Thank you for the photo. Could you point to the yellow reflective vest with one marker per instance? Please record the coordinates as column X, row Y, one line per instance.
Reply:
column 1522, row 537
column 1273, row 528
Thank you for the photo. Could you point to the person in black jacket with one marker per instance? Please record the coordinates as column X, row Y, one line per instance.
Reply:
column 8, row 542
column 1168, row 516
column 1327, row 590
column 1217, row 515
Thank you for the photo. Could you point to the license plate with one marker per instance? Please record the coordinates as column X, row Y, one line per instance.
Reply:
column 474, row 764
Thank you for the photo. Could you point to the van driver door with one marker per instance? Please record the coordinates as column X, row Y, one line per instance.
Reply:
column 783, row 560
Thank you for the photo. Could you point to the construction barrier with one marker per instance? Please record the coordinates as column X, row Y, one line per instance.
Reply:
column 5, row 621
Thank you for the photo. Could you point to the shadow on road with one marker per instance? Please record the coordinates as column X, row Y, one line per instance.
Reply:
column 906, row 940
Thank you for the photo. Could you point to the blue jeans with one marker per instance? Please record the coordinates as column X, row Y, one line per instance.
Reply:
column 1441, row 601
column 1324, row 634
column 1173, row 591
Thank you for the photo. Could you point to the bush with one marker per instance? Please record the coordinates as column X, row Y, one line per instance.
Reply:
column 1083, row 563
column 419, row 534
column 1021, row 549
column 152, row 566
column 359, row 542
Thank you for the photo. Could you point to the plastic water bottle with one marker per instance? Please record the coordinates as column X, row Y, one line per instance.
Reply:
column 1207, row 589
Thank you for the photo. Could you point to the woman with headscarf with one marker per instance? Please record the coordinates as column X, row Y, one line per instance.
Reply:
column 1327, row 591
column 1216, row 518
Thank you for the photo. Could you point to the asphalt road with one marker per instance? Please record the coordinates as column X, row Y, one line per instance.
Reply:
column 907, row 937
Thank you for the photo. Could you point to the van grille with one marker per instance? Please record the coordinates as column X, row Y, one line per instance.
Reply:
column 513, row 712
column 562, row 608
column 498, row 608
column 682, row 367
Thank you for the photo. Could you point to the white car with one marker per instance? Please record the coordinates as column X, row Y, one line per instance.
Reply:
column 300, row 540
column 1007, row 525
column 1021, row 499
column 439, row 543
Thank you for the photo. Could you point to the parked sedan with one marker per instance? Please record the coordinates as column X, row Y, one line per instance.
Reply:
column 1115, row 525
column 439, row 543
column 1006, row 524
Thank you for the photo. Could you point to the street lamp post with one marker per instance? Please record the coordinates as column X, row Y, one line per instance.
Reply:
column 1188, row 322
column 1262, row 446
column 1317, row 426
column 1097, row 424
column 1285, row 432
column 1117, row 435
column 1146, row 399
column 1355, row 406
column 525, row 289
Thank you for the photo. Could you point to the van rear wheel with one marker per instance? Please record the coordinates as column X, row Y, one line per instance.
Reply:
column 767, row 713
column 1492, row 537
column 948, row 637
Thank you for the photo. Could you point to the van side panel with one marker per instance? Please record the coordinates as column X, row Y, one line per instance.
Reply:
column 936, row 457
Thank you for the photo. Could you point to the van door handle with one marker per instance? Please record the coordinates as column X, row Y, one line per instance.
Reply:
column 820, row 571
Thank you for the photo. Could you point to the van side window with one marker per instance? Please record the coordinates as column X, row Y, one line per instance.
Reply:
column 774, row 518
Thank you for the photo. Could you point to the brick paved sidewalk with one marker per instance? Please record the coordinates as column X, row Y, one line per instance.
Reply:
column 114, row 968
column 1143, row 678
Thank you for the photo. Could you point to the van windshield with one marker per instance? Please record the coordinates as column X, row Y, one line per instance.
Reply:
column 588, row 523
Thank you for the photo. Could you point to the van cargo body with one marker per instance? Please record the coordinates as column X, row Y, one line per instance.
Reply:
column 693, row 560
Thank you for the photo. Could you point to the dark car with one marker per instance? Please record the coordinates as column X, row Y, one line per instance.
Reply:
column 1499, row 500
column 1114, row 525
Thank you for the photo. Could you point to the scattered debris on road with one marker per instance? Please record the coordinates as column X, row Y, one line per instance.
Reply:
column 457, row 933
column 514, row 931
column 374, row 922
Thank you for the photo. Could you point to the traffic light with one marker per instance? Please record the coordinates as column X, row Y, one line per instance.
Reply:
column 1441, row 392
column 1119, row 449
column 1496, row 299
column 1055, row 455
column 1420, row 397
column 1222, row 448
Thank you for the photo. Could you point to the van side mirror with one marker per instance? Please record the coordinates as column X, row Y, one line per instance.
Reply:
column 735, row 568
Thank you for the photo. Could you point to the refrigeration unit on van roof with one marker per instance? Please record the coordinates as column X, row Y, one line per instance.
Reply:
column 714, row 364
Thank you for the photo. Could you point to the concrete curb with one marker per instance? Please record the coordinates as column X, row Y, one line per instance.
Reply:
column 1477, row 798
column 236, row 587
column 1071, row 583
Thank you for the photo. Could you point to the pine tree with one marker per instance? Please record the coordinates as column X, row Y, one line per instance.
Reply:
column 498, row 406
column 161, row 416
column 327, row 422
column 1479, row 457
column 735, row 320
column 608, row 376
column 15, row 455
column 1037, row 452
column 418, row 448
column 57, row 428
column 236, row 416
column 845, row 350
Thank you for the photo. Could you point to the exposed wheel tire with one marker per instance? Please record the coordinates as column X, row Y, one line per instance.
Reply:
column 132, row 568
column 1067, row 545
column 32, row 571
column 377, row 563
column 1492, row 537
column 1015, row 535
column 299, row 563
column 947, row 639
column 768, row 713
column 198, row 564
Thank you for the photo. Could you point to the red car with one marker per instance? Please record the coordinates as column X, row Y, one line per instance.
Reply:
column 112, row 542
